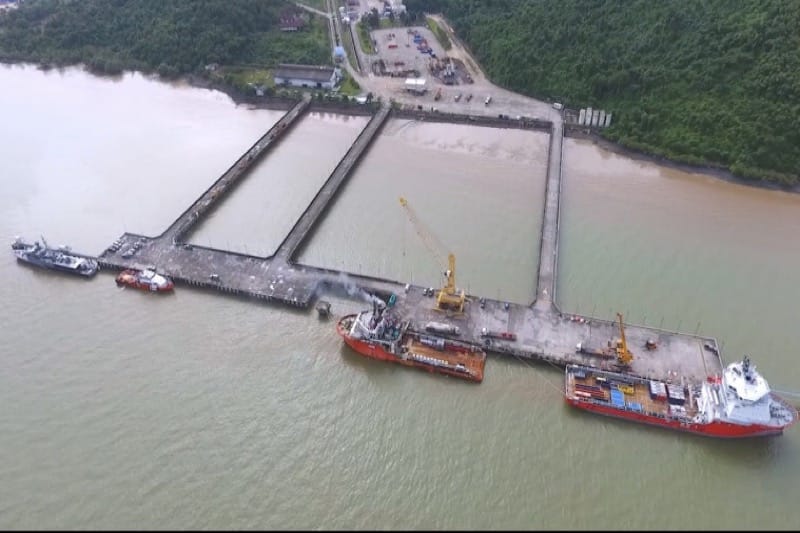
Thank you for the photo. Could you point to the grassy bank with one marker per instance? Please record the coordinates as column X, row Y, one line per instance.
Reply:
column 439, row 32
column 349, row 86
column 364, row 38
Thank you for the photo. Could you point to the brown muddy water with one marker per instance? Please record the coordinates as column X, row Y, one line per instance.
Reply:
column 124, row 410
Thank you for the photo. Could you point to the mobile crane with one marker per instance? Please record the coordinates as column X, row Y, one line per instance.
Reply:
column 616, row 348
column 624, row 356
column 449, row 298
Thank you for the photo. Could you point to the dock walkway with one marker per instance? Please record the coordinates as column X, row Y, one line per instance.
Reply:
column 188, row 220
column 548, row 250
column 326, row 194
column 543, row 333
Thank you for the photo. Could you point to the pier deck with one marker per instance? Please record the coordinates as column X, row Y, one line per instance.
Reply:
column 188, row 220
column 543, row 332
column 548, row 249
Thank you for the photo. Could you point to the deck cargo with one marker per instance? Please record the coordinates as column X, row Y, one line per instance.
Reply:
column 737, row 404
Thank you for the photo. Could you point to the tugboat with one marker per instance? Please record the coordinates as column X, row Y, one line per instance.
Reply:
column 147, row 280
column 60, row 259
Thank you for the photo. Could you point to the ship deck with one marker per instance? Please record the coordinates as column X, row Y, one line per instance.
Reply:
column 637, row 393
column 474, row 360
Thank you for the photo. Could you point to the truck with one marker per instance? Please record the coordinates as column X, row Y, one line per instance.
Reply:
column 604, row 352
column 502, row 335
column 442, row 328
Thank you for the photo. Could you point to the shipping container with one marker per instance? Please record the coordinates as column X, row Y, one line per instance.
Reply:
column 617, row 400
column 635, row 406
column 677, row 410
column 658, row 390
column 675, row 395
column 625, row 388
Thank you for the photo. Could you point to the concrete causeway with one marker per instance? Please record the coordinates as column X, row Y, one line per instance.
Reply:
column 543, row 332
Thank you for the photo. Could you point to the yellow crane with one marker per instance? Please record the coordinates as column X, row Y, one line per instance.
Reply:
column 624, row 356
column 449, row 298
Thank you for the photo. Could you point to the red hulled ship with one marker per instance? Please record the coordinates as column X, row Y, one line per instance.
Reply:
column 378, row 334
column 737, row 404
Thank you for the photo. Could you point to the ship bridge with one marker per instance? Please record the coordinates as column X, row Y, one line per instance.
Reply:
column 748, row 384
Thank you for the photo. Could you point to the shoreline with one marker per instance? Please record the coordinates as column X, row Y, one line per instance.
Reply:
column 719, row 173
column 279, row 102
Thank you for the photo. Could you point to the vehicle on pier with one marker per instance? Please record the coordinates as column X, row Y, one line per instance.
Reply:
column 380, row 334
column 60, row 259
column 147, row 279
column 500, row 335
column 737, row 404
column 442, row 328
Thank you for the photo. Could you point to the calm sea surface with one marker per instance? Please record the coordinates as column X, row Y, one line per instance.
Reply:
column 121, row 409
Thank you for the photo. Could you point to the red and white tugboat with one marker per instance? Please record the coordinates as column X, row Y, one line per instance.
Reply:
column 147, row 280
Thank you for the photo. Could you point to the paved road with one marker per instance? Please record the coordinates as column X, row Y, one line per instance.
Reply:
column 312, row 9
column 503, row 101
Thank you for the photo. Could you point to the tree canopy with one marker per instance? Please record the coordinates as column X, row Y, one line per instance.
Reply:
column 172, row 37
column 712, row 82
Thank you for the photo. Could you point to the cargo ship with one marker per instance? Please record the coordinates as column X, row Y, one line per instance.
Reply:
column 60, row 259
column 147, row 279
column 737, row 404
column 379, row 334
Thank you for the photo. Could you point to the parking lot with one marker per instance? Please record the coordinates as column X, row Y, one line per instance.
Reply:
column 415, row 52
column 463, row 97
column 399, row 53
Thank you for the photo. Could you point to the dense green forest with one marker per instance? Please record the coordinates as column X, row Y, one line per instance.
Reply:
column 171, row 37
column 713, row 82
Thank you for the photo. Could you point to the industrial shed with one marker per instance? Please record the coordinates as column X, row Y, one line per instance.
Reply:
column 320, row 77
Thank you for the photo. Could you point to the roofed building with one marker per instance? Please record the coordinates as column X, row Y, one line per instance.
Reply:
column 291, row 20
column 320, row 77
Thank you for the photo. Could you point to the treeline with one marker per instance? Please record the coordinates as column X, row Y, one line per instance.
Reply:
column 714, row 83
column 171, row 37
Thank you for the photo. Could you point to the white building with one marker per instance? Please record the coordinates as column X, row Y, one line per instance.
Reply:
column 318, row 77
column 415, row 85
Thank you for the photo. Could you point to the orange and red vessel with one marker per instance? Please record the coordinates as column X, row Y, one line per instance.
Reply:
column 147, row 280
column 735, row 405
column 378, row 334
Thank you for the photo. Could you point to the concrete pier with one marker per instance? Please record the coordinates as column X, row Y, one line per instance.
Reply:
column 548, row 249
column 543, row 332
column 183, row 225
column 326, row 194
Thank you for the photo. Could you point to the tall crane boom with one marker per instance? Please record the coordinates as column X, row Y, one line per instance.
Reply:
column 449, row 297
column 624, row 356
